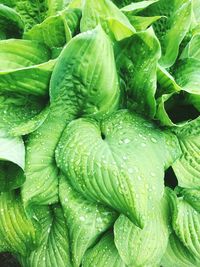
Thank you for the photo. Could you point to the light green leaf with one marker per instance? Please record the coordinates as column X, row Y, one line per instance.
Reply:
column 187, row 168
column 196, row 9
column 12, row 149
column 11, row 24
column 20, row 114
column 23, row 67
column 136, row 7
column 186, row 224
column 54, row 6
column 104, row 12
column 166, row 108
column 187, row 73
column 31, row 125
column 166, row 82
column 104, row 254
column 144, row 247
column 176, row 94
column 192, row 50
column 106, row 161
column 172, row 28
column 139, row 73
column 192, row 196
column 16, row 229
column 177, row 255
column 80, row 85
column 86, row 220
column 54, row 243
column 12, row 158
column 142, row 23
column 56, row 30
column 75, row 4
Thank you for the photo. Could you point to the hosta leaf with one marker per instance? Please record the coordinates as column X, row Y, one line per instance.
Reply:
column 142, row 23
column 104, row 12
column 172, row 110
column 104, row 254
column 9, row 3
column 139, row 74
column 138, row 6
column 187, row 168
column 12, row 149
column 177, row 255
column 177, row 93
column 187, row 73
column 12, row 157
column 143, row 247
column 186, row 224
column 196, row 10
column 24, row 68
column 86, row 221
column 79, row 85
column 31, row 125
column 106, row 161
column 56, row 30
column 54, row 6
column 20, row 114
column 192, row 50
column 75, row 4
column 54, row 244
column 192, row 196
column 172, row 28
column 16, row 229
column 11, row 24
column 32, row 12
column 166, row 82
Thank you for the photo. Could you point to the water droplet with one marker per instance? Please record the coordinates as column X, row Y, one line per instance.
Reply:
column 130, row 170
column 153, row 140
column 126, row 141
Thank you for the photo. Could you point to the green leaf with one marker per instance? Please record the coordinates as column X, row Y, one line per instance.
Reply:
column 20, row 114
column 54, row 243
column 139, row 73
column 104, row 254
column 31, row 12
column 24, row 68
column 192, row 50
column 196, row 10
column 192, row 196
column 174, row 110
column 56, row 30
column 31, row 125
column 177, row 255
column 187, row 168
column 54, row 6
column 134, row 8
column 166, row 82
column 12, row 159
column 186, row 224
column 178, row 93
column 80, row 85
column 106, row 161
column 142, row 23
column 86, row 220
column 12, row 149
column 172, row 28
column 11, row 24
column 104, row 12
column 16, row 230
column 144, row 247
